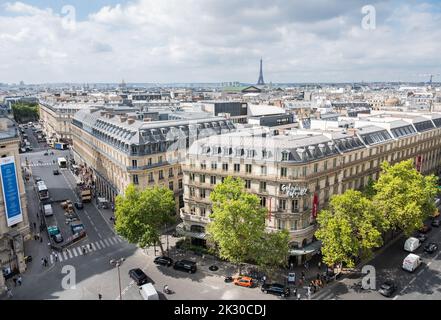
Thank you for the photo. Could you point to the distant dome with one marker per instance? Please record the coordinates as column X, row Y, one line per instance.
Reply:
column 392, row 102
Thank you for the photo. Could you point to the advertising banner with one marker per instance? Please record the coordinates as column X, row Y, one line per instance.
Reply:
column 315, row 206
column 11, row 193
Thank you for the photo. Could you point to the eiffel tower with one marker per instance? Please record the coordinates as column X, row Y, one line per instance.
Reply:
column 260, row 82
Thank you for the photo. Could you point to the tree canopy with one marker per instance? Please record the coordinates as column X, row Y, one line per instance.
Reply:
column 351, row 227
column 238, row 226
column 141, row 214
column 404, row 196
column 25, row 111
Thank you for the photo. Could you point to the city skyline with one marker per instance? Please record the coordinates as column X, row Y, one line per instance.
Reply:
column 144, row 41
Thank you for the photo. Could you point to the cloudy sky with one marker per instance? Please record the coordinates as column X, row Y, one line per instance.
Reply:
column 161, row 41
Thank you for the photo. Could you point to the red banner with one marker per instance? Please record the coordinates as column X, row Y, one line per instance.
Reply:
column 315, row 206
column 269, row 209
column 419, row 162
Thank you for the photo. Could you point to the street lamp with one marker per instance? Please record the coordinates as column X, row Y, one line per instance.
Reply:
column 117, row 263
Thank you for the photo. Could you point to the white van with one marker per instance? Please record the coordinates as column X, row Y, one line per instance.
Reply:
column 48, row 210
column 411, row 262
column 148, row 292
column 412, row 244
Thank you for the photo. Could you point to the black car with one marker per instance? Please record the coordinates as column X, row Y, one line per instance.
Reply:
column 185, row 265
column 46, row 153
column 56, row 172
column 436, row 223
column 277, row 289
column 430, row 247
column 421, row 237
column 163, row 260
column 139, row 276
column 388, row 288
column 79, row 205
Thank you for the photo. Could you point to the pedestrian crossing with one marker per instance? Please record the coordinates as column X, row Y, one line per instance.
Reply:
column 41, row 164
column 84, row 249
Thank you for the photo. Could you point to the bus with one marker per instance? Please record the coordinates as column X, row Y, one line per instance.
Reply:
column 43, row 192
column 62, row 163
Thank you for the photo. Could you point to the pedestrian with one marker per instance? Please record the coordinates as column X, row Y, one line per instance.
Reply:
column 263, row 279
column 45, row 262
column 298, row 296
column 291, row 266
column 89, row 246
column 42, row 262
column 319, row 265
column 84, row 250
column 19, row 280
column 41, row 240
column 318, row 276
column 100, row 296
column 15, row 281
column 37, row 215
column 35, row 226
column 56, row 257
column 9, row 292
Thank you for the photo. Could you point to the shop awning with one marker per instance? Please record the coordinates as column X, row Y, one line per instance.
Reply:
column 308, row 249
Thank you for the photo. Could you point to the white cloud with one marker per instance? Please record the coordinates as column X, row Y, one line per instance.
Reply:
column 209, row 40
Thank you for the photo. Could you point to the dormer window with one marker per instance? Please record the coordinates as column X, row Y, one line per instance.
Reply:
column 285, row 156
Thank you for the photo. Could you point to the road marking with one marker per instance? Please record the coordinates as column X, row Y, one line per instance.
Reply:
column 111, row 241
column 52, row 259
column 92, row 223
column 65, row 255
column 107, row 242
column 93, row 247
column 80, row 251
column 102, row 244
column 118, row 239
column 411, row 281
column 420, row 272
column 395, row 298
column 60, row 257
column 98, row 245
column 429, row 263
column 70, row 253
column 75, row 252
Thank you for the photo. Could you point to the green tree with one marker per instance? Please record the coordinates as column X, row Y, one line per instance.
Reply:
column 404, row 196
column 369, row 190
column 25, row 111
column 274, row 250
column 238, row 221
column 141, row 214
column 350, row 228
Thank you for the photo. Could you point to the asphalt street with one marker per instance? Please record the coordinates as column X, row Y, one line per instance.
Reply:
column 93, row 272
column 423, row 284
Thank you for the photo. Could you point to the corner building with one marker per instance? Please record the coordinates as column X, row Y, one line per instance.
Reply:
column 295, row 174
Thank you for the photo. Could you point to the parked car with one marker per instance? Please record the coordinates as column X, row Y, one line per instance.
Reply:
column 37, row 179
column 79, row 205
column 411, row 262
column 425, row 229
column 436, row 223
column 163, row 260
column 430, row 247
column 388, row 288
column 412, row 244
column 277, row 289
column 421, row 237
column 56, row 172
column 244, row 282
column 185, row 265
column 46, row 153
column 139, row 276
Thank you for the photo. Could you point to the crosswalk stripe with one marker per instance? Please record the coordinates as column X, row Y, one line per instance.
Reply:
column 117, row 239
column 111, row 241
column 80, row 251
column 60, row 257
column 93, row 247
column 74, row 252
column 107, row 242
column 102, row 243
column 52, row 259
column 70, row 254
column 98, row 245
column 65, row 255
